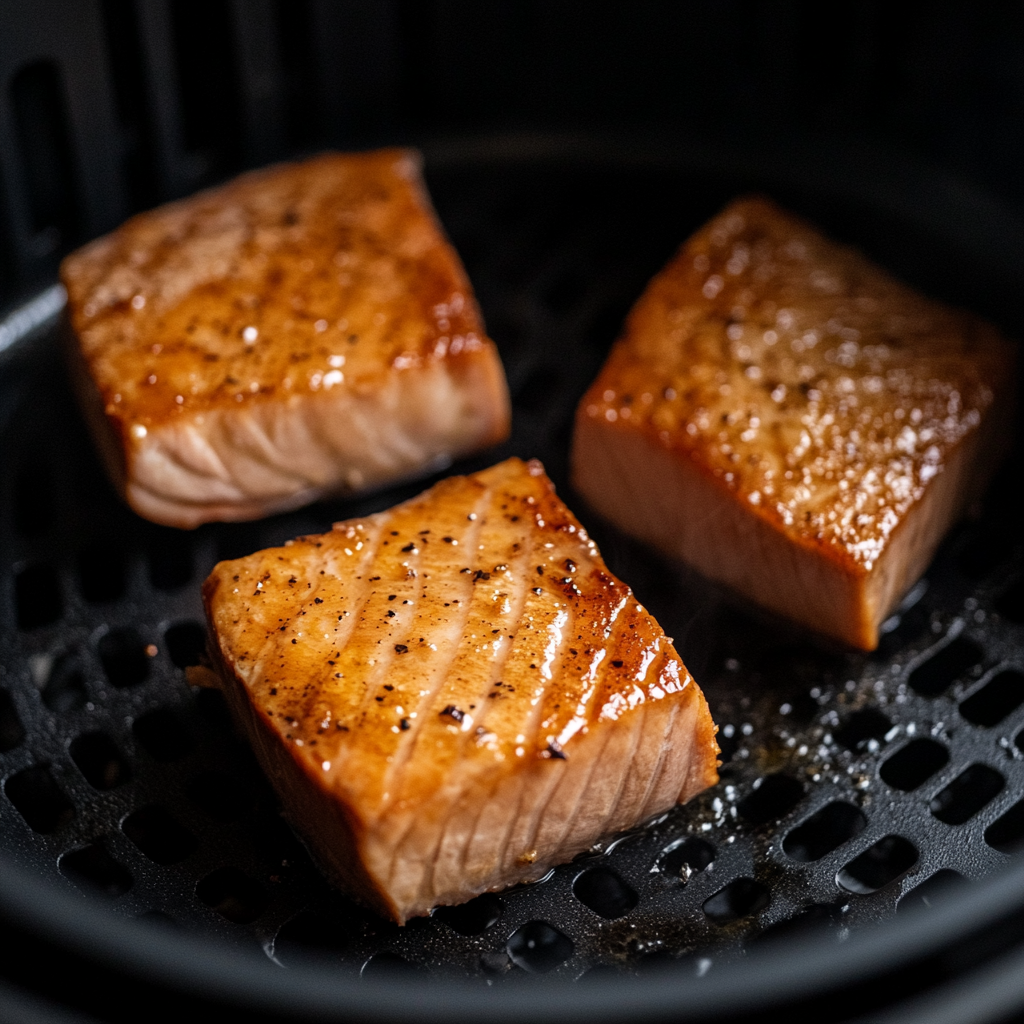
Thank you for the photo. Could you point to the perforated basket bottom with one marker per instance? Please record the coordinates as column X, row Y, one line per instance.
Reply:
column 853, row 786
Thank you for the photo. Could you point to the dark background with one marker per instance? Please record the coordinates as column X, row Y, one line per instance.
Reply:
column 111, row 106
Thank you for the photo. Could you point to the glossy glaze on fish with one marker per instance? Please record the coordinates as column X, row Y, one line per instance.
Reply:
column 304, row 329
column 794, row 422
column 454, row 695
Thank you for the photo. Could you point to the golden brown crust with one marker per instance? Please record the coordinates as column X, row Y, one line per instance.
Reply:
column 806, row 386
column 303, row 285
column 456, row 675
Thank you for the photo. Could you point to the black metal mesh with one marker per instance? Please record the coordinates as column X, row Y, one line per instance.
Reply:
column 853, row 785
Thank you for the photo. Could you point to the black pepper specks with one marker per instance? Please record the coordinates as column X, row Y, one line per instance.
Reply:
column 404, row 724
column 453, row 712
column 555, row 751
column 411, row 548
column 617, row 663
column 401, row 649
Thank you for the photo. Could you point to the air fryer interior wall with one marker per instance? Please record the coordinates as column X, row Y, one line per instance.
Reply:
column 855, row 788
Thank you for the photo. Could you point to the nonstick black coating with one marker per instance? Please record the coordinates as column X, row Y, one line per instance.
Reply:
column 855, row 787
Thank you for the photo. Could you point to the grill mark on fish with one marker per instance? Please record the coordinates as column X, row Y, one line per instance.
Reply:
column 431, row 699
column 495, row 667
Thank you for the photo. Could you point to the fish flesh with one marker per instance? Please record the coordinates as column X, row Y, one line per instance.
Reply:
column 303, row 330
column 792, row 421
column 454, row 695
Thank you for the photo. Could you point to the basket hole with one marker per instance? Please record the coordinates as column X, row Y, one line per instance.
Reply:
column 163, row 735
column 604, row 892
column 1010, row 603
column 33, row 498
column 914, row 764
column 878, row 866
column 93, row 869
column 564, row 292
column 212, row 706
column 220, row 796
column 474, row 917
column 539, row 947
column 946, row 666
column 816, row 918
column 186, row 642
column 64, row 690
column 158, row 835
column 974, row 787
column 239, row 540
column 386, row 966
column 685, row 857
column 999, row 697
column 801, row 708
column 742, row 897
column 100, row 574
column 863, row 730
column 48, row 167
column 309, row 938
column 728, row 742
column 933, row 891
column 12, row 732
column 1006, row 833
column 39, row 800
column 824, row 831
column 772, row 797
column 539, row 389
column 276, row 842
column 983, row 552
column 170, row 559
column 124, row 657
column 233, row 894
column 37, row 596
column 99, row 760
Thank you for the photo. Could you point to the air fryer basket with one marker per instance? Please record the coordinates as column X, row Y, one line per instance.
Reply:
column 855, row 788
